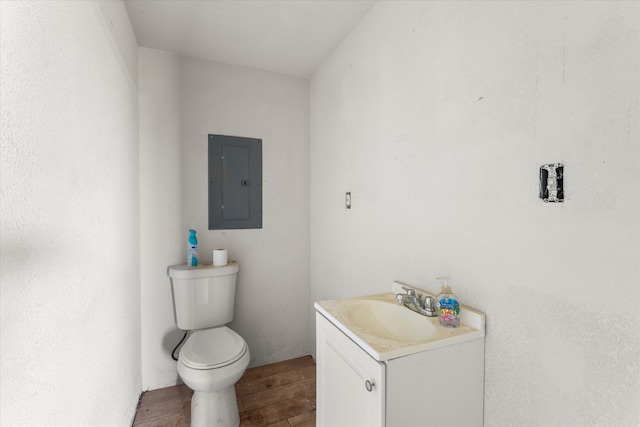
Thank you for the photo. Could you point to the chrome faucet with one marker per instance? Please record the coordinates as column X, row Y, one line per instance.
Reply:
column 415, row 302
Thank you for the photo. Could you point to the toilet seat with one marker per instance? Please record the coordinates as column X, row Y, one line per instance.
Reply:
column 212, row 348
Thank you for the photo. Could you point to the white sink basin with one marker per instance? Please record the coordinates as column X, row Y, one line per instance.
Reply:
column 386, row 329
column 391, row 321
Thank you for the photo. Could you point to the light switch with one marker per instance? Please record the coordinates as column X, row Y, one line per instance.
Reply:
column 552, row 182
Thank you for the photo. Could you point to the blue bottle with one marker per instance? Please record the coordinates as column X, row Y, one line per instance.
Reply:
column 192, row 249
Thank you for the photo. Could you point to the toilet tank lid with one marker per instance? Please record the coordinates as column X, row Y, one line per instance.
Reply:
column 204, row 270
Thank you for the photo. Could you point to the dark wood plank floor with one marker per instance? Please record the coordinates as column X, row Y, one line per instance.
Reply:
column 278, row 395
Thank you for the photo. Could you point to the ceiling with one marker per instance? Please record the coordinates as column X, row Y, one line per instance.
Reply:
column 291, row 37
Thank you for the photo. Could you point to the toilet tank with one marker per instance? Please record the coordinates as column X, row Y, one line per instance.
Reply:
column 203, row 296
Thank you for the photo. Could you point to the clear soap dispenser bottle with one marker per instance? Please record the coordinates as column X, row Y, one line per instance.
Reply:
column 448, row 306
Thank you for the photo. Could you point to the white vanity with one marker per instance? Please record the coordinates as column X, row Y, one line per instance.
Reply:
column 381, row 364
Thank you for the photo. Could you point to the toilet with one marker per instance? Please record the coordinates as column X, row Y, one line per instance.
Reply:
column 214, row 357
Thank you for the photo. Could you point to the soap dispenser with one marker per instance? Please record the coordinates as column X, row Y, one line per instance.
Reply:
column 448, row 305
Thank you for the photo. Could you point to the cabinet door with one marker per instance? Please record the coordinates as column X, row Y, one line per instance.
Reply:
column 350, row 383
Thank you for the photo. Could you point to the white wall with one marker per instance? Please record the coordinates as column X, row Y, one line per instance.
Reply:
column 437, row 116
column 272, row 298
column 70, row 328
column 161, row 234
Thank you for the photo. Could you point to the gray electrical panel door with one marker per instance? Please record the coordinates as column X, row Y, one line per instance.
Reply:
column 235, row 182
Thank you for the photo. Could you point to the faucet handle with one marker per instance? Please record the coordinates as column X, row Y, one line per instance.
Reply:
column 430, row 306
column 411, row 292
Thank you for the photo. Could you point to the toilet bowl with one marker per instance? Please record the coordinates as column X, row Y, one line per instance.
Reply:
column 210, row 363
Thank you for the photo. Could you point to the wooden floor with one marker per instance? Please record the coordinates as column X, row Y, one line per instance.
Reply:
column 279, row 395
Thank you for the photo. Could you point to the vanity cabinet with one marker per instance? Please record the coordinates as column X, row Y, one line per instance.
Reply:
column 441, row 386
column 350, row 383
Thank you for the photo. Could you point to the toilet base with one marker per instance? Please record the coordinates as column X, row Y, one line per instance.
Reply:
column 214, row 401
column 216, row 409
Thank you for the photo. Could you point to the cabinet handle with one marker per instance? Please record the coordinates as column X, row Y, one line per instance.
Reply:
column 368, row 385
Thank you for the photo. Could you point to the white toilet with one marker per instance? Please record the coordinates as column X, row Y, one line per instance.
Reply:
column 214, row 357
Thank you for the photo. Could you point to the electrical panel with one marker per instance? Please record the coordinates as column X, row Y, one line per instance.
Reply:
column 235, row 182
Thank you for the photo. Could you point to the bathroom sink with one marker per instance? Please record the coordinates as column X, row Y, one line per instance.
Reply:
column 389, row 320
column 387, row 329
